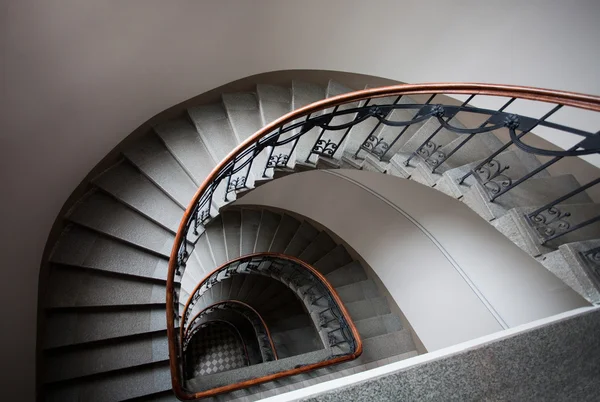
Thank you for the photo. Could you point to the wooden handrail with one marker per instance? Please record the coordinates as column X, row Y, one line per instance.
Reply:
column 247, row 306
column 564, row 98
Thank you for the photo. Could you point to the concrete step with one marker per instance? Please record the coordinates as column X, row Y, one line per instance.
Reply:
column 251, row 220
column 117, row 386
column 154, row 160
column 269, row 222
column 125, row 182
column 232, row 225
column 520, row 231
column 82, row 247
column 73, row 327
column 376, row 326
column 104, row 214
column 531, row 192
column 303, row 94
column 291, row 322
column 285, row 231
column 367, row 308
column 318, row 248
column 296, row 341
column 215, row 235
column 572, row 266
column 76, row 287
column 358, row 291
column 305, row 234
column 520, row 163
column 182, row 140
column 477, row 148
column 204, row 255
column 347, row 274
column 442, row 138
column 336, row 258
column 103, row 357
column 215, row 131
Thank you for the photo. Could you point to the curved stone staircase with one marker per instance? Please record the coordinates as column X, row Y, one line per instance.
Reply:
column 105, row 328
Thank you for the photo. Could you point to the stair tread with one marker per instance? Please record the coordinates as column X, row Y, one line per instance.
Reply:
column 128, row 185
column 318, row 248
column 78, row 288
column 269, row 222
column 367, row 308
column 366, row 289
column 301, row 239
column 285, row 231
column 336, row 258
column 102, row 213
column 304, row 93
column 156, row 162
column 347, row 274
column 182, row 140
column 251, row 220
column 232, row 225
column 212, row 124
column 75, row 327
column 104, row 357
column 216, row 239
column 82, row 247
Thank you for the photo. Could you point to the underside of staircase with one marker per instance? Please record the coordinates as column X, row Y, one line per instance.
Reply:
column 105, row 338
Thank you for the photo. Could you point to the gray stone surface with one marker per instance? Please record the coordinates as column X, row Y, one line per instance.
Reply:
column 556, row 263
column 318, row 248
column 285, row 231
column 204, row 255
column 297, row 341
column 116, row 386
column 251, row 220
column 305, row 234
column 360, row 310
column 379, row 325
column 216, row 240
column 557, row 362
column 212, row 124
column 232, row 225
column 184, row 143
column 104, row 357
column 336, row 258
column 76, row 327
column 303, row 94
column 572, row 253
column 269, row 222
column 358, row 291
column 104, row 214
column 82, row 247
column 77, row 288
column 350, row 273
column 128, row 185
column 156, row 162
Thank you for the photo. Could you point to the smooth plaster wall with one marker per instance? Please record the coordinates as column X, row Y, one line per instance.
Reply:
column 79, row 76
column 453, row 275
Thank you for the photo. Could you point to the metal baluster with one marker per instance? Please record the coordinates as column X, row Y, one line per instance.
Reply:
column 271, row 153
column 469, row 137
column 428, row 140
column 532, row 173
column 335, row 109
column 508, row 144
column 370, row 135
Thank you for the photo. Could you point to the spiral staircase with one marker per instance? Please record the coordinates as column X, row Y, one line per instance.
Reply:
column 105, row 332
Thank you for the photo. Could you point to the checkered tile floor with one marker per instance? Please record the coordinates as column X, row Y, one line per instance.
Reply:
column 214, row 349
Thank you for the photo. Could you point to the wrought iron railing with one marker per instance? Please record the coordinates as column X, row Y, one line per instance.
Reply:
column 326, row 127
column 261, row 331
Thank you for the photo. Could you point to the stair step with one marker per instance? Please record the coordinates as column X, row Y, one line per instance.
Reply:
column 354, row 292
column 297, row 341
column 303, row 94
column 367, row 308
column 251, row 220
column 380, row 325
column 336, row 258
column 183, row 141
column 158, row 165
column 517, row 228
column 115, row 386
column 104, row 214
column 214, row 129
column 124, row 182
column 79, row 288
column 82, row 247
column 232, row 225
column 269, row 222
column 531, row 192
column 204, row 255
column 104, row 357
column 285, row 231
column 64, row 328
column 216, row 239
column 347, row 274
column 442, row 138
column 291, row 322
column 318, row 248
column 305, row 234
column 572, row 267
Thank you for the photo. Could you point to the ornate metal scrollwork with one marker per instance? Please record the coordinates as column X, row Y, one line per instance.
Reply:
column 276, row 161
column 428, row 149
column 592, row 264
column 436, row 159
column 325, row 148
column 492, row 177
column 550, row 222
column 236, row 183
column 376, row 146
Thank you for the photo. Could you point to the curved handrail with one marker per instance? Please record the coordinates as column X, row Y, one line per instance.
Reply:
column 246, row 306
column 193, row 217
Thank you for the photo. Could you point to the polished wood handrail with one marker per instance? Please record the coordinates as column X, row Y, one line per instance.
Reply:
column 249, row 307
column 565, row 98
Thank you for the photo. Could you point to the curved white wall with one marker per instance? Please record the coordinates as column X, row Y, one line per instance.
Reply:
column 453, row 275
column 78, row 76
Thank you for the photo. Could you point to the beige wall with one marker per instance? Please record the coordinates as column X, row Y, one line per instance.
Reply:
column 452, row 274
column 79, row 76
